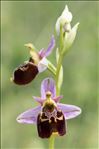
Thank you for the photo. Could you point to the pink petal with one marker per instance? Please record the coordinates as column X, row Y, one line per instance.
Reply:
column 41, row 52
column 57, row 99
column 69, row 111
column 38, row 99
column 42, row 65
column 29, row 116
column 47, row 52
column 48, row 84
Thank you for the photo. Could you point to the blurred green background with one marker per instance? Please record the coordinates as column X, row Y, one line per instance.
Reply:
column 29, row 21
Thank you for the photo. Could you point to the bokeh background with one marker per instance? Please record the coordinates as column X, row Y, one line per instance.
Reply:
column 29, row 21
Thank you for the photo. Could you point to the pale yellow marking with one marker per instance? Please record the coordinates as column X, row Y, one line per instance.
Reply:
column 55, row 134
column 60, row 118
column 43, row 120
column 50, row 121
column 55, row 120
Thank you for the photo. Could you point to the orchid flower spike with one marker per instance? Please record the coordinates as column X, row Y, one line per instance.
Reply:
column 64, row 21
column 37, row 63
column 50, row 116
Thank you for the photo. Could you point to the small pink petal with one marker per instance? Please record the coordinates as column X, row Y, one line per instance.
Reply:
column 69, row 111
column 41, row 53
column 42, row 65
column 38, row 99
column 47, row 52
column 29, row 116
column 57, row 99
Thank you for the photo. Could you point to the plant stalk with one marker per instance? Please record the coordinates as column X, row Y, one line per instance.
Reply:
column 58, row 88
column 51, row 142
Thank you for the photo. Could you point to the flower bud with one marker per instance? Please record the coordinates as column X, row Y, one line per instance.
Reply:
column 66, row 16
column 64, row 20
column 69, row 38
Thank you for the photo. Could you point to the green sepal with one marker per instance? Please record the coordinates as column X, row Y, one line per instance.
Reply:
column 69, row 38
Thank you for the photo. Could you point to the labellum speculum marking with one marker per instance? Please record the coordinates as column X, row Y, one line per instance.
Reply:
column 51, row 119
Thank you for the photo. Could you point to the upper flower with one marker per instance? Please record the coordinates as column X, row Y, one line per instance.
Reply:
column 37, row 63
column 50, row 116
column 65, row 31
column 64, row 20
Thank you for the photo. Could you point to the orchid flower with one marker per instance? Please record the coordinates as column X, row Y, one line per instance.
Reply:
column 37, row 63
column 50, row 116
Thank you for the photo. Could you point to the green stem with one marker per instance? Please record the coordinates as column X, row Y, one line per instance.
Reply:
column 59, row 64
column 51, row 142
column 57, row 74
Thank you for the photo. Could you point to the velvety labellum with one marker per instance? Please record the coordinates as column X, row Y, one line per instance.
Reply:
column 52, row 123
column 25, row 73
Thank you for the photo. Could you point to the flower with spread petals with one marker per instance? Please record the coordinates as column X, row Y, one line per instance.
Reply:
column 50, row 116
column 37, row 63
column 64, row 20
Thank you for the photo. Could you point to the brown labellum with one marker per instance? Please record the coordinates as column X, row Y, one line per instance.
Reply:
column 25, row 73
column 47, row 126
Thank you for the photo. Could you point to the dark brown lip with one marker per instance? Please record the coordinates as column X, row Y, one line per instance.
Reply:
column 47, row 127
column 25, row 73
